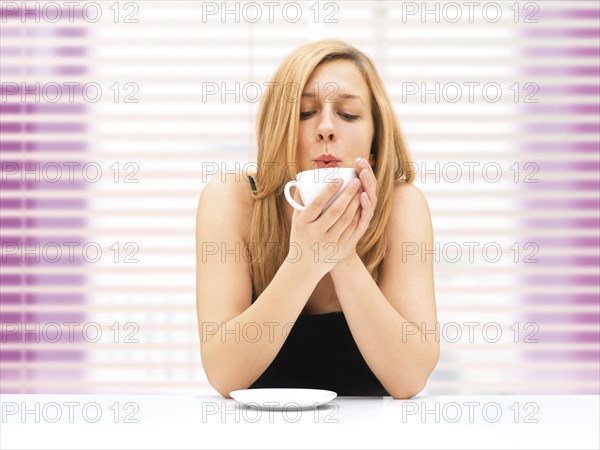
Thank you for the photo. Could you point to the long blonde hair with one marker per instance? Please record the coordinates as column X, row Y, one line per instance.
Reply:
column 277, row 136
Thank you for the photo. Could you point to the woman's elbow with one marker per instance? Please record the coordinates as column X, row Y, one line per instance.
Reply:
column 406, row 392
column 224, row 393
column 220, row 387
column 220, row 384
column 215, row 379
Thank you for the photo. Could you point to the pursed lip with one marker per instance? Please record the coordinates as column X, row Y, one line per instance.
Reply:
column 321, row 164
column 327, row 158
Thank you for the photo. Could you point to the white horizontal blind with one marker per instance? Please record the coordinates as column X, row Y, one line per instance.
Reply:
column 499, row 107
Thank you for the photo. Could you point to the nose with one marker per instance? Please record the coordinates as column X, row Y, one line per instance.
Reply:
column 326, row 131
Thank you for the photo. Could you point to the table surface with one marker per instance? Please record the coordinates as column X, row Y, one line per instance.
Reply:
column 208, row 420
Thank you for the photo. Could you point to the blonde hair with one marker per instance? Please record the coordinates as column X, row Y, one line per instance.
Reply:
column 277, row 136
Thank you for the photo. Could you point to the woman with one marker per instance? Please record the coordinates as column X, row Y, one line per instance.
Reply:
column 278, row 308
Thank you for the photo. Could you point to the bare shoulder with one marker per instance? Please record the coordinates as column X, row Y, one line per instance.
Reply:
column 410, row 215
column 408, row 194
column 230, row 187
column 227, row 200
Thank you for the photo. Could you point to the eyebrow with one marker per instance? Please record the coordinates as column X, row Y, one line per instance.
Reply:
column 341, row 96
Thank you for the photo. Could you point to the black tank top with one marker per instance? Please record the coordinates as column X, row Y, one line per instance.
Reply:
column 319, row 353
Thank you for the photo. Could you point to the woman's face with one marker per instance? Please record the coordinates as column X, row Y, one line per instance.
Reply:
column 335, row 117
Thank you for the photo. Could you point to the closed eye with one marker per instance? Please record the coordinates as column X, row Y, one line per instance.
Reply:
column 307, row 114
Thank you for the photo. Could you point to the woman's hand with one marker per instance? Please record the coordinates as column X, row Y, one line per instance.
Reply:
column 319, row 241
column 368, row 200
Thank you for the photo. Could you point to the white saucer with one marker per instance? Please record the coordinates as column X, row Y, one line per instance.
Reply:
column 283, row 398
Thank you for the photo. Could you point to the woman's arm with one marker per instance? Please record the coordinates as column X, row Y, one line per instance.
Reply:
column 238, row 339
column 394, row 324
column 238, row 351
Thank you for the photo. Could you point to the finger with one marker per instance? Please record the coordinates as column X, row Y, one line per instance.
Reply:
column 366, row 214
column 338, row 207
column 349, row 234
column 369, row 183
column 342, row 223
column 315, row 208
column 367, row 177
column 361, row 164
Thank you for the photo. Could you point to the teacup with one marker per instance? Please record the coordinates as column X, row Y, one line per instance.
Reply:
column 311, row 183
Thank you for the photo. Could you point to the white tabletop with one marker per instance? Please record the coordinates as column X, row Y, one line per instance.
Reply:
column 209, row 421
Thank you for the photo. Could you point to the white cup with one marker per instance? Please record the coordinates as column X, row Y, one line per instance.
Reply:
column 311, row 183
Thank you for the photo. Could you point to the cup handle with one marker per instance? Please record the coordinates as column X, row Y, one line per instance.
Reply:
column 289, row 198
